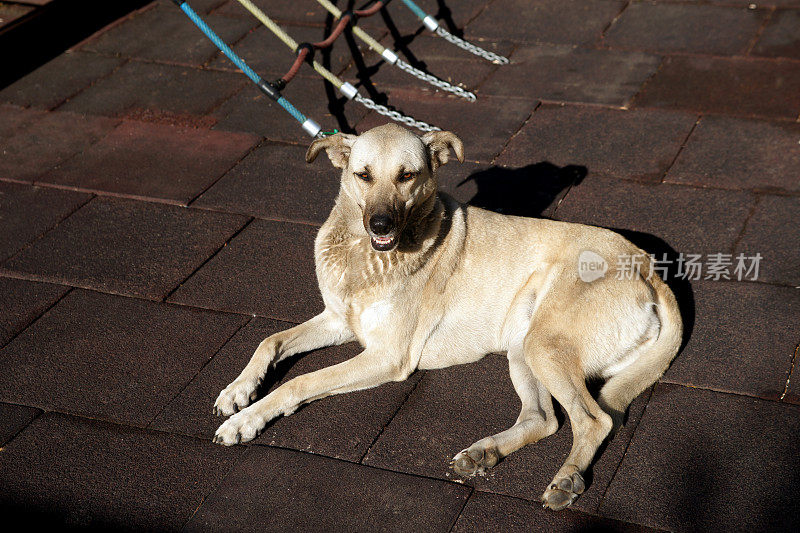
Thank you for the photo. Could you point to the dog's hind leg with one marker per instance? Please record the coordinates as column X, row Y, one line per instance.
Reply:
column 536, row 421
column 323, row 330
column 554, row 360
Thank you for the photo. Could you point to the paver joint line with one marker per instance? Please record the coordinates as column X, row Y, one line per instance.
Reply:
column 747, row 218
column 760, row 31
column 633, row 435
column 389, row 421
column 45, row 232
column 678, row 153
column 791, row 372
column 209, row 258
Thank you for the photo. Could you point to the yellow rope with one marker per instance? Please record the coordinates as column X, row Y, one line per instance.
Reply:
column 369, row 41
column 288, row 41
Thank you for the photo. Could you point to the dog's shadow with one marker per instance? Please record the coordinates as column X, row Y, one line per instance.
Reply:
column 530, row 191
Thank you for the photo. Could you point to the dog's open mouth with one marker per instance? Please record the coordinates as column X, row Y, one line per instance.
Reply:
column 383, row 244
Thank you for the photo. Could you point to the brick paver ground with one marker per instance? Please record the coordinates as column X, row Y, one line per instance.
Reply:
column 157, row 220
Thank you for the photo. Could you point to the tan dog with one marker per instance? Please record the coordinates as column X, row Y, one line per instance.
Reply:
column 422, row 281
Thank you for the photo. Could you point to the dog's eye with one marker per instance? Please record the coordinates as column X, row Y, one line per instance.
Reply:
column 363, row 175
column 405, row 177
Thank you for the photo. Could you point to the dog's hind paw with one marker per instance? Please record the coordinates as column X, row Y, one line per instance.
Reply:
column 475, row 459
column 563, row 492
column 235, row 397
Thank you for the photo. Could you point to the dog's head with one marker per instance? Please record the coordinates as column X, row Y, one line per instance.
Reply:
column 388, row 171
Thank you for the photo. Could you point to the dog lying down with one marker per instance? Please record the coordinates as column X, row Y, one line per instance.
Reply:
column 422, row 281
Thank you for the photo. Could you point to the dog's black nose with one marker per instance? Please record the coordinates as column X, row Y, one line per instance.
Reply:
column 381, row 224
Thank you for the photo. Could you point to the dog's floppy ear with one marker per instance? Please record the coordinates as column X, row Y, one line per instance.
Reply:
column 337, row 146
column 439, row 144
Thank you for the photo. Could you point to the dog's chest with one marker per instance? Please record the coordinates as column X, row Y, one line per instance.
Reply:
column 369, row 318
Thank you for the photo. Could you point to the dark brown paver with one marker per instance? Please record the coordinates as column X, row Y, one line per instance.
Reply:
column 59, row 79
column 90, row 474
column 491, row 512
column 460, row 180
column 267, row 269
column 702, row 460
column 348, row 497
column 484, row 129
column 740, row 154
column 11, row 12
column 22, row 302
column 549, row 21
column 271, row 58
column 772, row 232
column 735, row 86
column 153, row 160
column 108, row 357
column 253, row 112
column 452, row 408
column 38, row 2
column 169, row 90
column 305, row 13
column 667, row 27
column 629, row 144
column 13, row 419
column 200, row 6
column 32, row 142
column 692, row 221
column 780, row 37
column 341, row 426
column 743, row 338
column 166, row 34
column 127, row 247
column 567, row 74
column 27, row 212
column 274, row 181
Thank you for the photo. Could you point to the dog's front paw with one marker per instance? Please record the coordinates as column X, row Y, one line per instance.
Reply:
column 476, row 459
column 235, row 397
column 241, row 427
column 563, row 491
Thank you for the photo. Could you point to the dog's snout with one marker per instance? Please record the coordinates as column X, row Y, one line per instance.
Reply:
column 381, row 224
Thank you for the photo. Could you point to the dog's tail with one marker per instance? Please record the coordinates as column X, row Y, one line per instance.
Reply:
column 654, row 358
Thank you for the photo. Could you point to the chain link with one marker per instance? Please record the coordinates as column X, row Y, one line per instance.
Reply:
column 394, row 115
column 436, row 82
column 469, row 47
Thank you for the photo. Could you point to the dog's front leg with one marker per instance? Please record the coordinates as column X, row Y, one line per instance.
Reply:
column 323, row 330
column 366, row 370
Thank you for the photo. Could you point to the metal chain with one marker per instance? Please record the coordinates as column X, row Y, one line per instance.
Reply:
column 394, row 115
column 436, row 82
column 469, row 47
